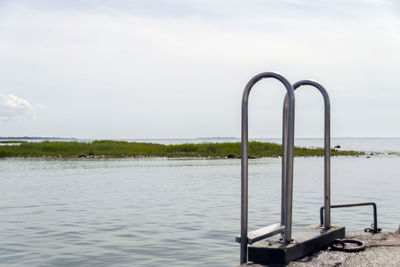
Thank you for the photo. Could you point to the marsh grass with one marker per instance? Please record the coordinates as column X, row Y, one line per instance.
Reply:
column 114, row 149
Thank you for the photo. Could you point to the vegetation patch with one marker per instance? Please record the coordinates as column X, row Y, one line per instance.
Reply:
column 116, row 149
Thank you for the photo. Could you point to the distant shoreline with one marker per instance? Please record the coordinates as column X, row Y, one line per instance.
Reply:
column 22, row 138
column 121, row 149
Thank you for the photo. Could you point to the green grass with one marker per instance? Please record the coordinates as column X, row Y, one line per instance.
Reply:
column 115, row 149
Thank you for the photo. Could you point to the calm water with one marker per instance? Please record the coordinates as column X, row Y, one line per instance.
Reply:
column 171, row 212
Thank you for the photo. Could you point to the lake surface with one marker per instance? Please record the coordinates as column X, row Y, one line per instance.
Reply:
column 173, row 212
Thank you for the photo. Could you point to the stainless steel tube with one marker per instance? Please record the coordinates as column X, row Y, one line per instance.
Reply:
column 287, row 171
column 288, row 159
column 284, row 160
column 327, row 144
column 287, row 163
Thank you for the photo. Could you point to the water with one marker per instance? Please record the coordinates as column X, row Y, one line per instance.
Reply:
column 171, row 212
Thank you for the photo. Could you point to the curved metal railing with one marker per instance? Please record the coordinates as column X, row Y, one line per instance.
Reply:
column 287, row 161
column 327, row 144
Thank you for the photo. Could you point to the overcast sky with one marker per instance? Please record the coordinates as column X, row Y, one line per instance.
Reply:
column 177, row 68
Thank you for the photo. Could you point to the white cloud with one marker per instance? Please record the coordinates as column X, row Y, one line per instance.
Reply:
column 13, row 107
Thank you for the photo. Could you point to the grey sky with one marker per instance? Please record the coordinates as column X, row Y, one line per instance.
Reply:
column 177, row 68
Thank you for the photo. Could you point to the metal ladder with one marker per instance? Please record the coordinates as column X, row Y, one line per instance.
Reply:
column 285, row 226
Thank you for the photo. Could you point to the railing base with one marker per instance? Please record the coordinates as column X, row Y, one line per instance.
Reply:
column 308, row 240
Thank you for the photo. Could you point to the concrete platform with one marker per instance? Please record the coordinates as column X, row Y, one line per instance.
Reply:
column 383, row 249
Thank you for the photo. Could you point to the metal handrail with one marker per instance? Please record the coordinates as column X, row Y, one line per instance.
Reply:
column 375, row 214
column 327, row 141
column 287, row 162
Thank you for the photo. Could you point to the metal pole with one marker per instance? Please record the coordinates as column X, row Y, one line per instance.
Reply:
column 244, row 170
column 284, row 160
column 327, row 145
column 289, row 170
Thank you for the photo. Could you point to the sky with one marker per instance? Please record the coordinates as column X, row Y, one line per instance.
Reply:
column 177, row 68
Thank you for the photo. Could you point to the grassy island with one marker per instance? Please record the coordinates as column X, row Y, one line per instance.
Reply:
column 117, row 149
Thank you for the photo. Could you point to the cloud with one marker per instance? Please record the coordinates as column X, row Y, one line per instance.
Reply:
column 13, row 107
column 172, row 55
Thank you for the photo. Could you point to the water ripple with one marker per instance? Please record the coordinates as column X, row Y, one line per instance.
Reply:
column 170, row 212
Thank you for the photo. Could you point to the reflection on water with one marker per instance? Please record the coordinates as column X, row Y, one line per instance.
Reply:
column 170, row 212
